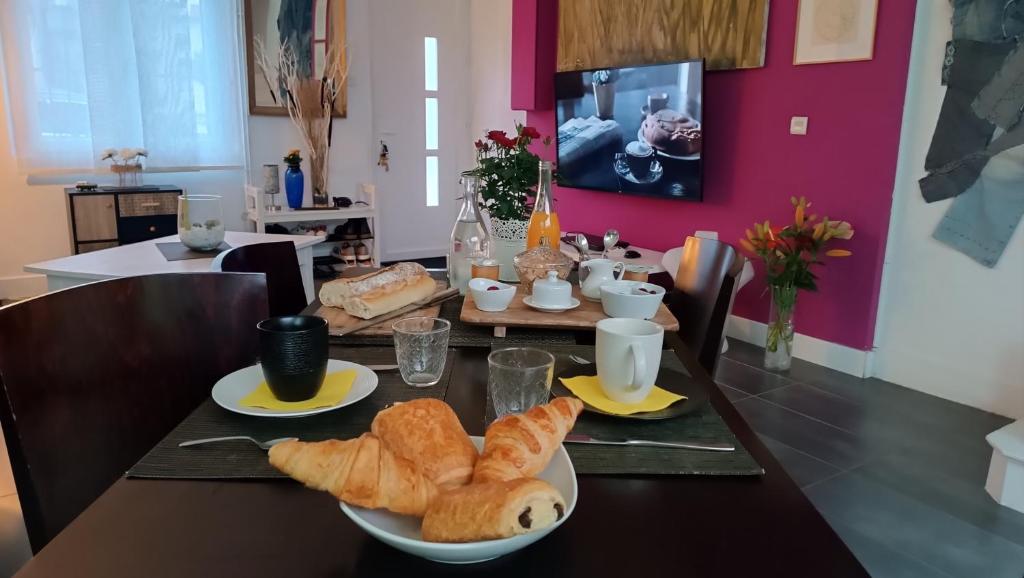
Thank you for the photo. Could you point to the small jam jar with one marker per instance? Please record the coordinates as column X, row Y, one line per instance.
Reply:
column 485, row 269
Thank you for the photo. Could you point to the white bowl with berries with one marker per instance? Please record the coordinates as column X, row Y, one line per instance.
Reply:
column 632, row 299
column 490, row 295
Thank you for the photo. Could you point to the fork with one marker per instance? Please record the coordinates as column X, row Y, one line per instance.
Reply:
column 262, row 445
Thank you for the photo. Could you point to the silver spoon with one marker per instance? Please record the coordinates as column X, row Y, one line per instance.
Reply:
column 611, row 237
column 262, row 445
column 579, row 359
column 583, row 246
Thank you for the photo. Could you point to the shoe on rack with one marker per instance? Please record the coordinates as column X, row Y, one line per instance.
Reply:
column 362, row 228
column 348, row 254
column 362, row 253
column 348, row 231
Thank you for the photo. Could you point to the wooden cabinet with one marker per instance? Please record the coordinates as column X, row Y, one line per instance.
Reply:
column 95, row 218
column 615, row 33
column 109, row 216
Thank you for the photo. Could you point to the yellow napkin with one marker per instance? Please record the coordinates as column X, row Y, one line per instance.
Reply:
column 335, row 388
column 588, row 388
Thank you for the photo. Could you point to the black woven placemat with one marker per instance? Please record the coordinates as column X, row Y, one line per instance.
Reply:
column 703, row 425
column 177, row 251
column 242, row 459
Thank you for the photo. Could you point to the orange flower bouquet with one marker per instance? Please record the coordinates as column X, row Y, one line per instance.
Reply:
column 789, row 253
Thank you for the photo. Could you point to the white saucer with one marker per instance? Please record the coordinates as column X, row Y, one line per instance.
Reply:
column 573, row 304
column 231, row 388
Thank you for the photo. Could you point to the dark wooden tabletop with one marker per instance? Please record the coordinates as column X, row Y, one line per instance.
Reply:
column 622, row 526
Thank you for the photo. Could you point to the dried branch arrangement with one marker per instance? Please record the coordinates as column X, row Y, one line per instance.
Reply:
column 310, row 103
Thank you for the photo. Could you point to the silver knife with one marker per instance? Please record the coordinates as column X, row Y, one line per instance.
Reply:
column 608, row 441
column 381, row 367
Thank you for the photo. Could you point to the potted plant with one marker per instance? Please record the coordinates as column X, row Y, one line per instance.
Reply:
column 508, row 173
column 603, row 82
column 788, row 254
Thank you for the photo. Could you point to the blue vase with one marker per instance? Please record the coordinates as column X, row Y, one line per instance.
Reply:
column 294, row 184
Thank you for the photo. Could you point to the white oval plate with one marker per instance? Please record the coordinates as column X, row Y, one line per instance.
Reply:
column 573, row 304
column 234, row 386
column 403, row 532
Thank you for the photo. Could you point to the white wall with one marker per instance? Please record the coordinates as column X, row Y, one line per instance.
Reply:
column 946, row 325
column 491, row 67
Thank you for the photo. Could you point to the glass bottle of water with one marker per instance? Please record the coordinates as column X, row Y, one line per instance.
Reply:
column 470, row 241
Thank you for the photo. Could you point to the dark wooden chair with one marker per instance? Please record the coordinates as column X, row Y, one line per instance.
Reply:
column 281, row 266
column 95, row 375
column 703, row 294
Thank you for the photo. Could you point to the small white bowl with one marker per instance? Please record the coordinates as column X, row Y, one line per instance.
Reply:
column 403, row 532
column 628, row 299
column 491, row 300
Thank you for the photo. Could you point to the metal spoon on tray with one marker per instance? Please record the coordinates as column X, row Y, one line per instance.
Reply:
column 611, row 238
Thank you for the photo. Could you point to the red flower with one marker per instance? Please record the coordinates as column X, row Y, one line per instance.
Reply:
column 509, row 143
column 529, row 132
column 496, row 135
column 480, row 145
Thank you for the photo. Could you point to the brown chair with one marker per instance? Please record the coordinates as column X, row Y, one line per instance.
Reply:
column 703, row 294
column 95, row 375
column 281, row 266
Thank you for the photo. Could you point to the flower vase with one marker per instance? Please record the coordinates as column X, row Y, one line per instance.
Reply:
column 604, row 100
column 509, row 239
column 318, row 178
column 778, row 348
column 294, row 184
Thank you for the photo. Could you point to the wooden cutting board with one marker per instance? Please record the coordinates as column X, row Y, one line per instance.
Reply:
column 338, row 319
column 519, row 314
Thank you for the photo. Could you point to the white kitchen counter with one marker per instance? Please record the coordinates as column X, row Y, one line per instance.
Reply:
column 145, row 259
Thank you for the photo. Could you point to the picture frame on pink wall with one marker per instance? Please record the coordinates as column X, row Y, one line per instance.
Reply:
column 835, row 31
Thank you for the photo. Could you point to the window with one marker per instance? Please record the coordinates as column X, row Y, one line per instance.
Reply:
column 158, row 75
column 430, row 117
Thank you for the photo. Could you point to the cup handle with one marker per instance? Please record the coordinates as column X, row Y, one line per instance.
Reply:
column 621, row 267
column 639, row 365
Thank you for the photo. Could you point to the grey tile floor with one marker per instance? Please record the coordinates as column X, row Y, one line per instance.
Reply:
column 899, row 474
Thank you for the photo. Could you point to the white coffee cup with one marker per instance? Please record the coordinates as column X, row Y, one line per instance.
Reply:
column 628, row 357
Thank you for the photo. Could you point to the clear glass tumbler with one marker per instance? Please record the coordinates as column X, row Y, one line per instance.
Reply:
column 519, row 378
column 421, row 345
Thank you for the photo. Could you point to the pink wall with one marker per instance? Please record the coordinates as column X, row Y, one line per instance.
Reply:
column 846, row 164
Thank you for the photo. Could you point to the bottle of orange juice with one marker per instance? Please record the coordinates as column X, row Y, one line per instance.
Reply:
column 544, row 220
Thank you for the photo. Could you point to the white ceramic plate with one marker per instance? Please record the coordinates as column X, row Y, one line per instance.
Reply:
column 403, row 532
column 573, row 304
column 234, row 386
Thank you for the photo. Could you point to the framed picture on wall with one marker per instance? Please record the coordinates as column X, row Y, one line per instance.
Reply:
column 313, row 28
column 835, row 31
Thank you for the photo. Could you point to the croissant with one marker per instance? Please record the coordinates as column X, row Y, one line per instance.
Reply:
column 361, row 472
column 493, row 510
column 427, row 432
column 520, row 445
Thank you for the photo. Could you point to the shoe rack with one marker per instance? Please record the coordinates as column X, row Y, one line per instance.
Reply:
column 346, row 230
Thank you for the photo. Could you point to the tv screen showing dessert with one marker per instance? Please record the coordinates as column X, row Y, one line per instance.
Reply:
column 634, row 130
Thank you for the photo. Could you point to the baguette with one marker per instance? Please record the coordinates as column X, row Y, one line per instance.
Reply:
column 380, row 292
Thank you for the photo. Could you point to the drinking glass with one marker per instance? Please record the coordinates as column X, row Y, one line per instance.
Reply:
column 519, row 378
column 421, row 344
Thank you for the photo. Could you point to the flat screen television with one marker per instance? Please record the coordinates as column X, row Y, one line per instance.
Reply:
column 635, row 130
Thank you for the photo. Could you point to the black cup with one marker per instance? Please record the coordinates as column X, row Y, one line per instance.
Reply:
column 293, row 354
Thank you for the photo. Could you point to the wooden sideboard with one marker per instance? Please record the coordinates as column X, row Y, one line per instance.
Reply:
column 110, row 216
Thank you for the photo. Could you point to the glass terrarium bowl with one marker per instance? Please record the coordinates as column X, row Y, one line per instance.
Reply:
column 535, row 263
column 201, row 222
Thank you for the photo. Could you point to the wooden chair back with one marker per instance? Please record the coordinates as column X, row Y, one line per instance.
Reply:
column 703, row 295
column 95, row 375
column 280, row 263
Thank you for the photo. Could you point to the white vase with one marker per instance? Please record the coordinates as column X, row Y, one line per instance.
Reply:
column 508, row 239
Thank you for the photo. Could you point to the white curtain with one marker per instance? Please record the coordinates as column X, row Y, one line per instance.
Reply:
column 86, row 75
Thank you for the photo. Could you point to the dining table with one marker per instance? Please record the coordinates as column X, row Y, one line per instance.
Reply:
column 623, row 525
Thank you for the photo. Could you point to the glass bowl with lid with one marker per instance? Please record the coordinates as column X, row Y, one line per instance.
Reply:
column 535, row 263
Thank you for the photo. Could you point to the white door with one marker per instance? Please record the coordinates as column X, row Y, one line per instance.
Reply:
column 420, row 79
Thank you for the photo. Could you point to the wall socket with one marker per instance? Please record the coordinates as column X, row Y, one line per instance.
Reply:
column 798, row 125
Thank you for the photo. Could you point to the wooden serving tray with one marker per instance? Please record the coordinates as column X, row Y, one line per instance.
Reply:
column 519, row 314
column 338, row 319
